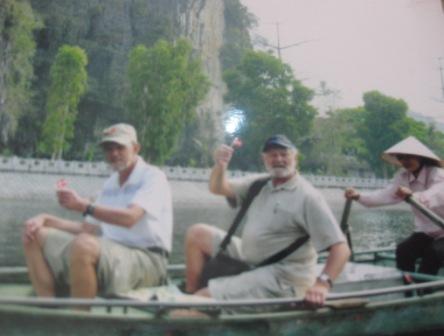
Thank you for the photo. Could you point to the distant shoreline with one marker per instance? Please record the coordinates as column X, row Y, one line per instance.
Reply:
column 28, row 187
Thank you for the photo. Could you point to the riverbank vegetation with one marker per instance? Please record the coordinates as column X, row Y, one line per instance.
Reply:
column 134, row 65
column 166, row 85
column 68, row 83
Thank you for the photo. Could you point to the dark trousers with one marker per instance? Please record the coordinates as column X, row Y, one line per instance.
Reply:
column 420, row 246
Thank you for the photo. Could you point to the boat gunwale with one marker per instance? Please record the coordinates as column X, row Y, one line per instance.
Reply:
column 432, row 282
column 218, row 316
column 282, row 302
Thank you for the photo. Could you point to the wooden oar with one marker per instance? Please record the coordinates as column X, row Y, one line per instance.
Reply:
column 345, row 227
column 427, row 212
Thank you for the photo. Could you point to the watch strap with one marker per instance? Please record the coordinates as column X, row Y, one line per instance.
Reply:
column 89, row 211
column 325, row 278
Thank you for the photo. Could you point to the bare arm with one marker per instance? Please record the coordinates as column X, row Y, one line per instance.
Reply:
column 219, row 183
column 337, row 258
column 125, row 217
column 33, row 225
column 61, row 223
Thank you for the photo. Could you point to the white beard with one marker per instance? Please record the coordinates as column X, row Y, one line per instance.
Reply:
column 118, row 166
column 280, row 172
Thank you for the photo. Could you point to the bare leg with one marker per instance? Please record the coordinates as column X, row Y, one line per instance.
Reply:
column 203, row 292
column 40, row 274
column 85, row 252
column 198, row 247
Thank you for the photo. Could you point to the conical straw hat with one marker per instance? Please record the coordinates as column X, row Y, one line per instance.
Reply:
column 410, row 146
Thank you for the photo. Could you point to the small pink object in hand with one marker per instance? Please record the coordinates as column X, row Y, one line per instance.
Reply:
column 237, row 143
column 61, row 184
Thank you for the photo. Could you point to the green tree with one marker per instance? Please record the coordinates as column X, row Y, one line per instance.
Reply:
column 428, row 134
column 336, row 147
column 238, row 22
column 435, row 139
column 17, row 49
column 196, row 149
column 272, row 101
column 166, row 84
column 68, row 84
column 384, row 124
column 327, row 97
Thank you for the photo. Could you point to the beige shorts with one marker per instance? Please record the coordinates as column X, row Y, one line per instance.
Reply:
column 120, row 268
column 275, row 280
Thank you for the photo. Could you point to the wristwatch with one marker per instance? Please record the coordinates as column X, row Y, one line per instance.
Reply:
column 89, row 211
column 325, row 278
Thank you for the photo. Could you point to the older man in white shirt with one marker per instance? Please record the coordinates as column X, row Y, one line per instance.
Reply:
column 125, row 238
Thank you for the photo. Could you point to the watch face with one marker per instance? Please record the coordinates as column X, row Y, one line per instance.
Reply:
column 324, row 277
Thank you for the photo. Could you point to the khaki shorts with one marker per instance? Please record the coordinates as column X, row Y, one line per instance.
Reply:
column 119, row 270
column 276, row 280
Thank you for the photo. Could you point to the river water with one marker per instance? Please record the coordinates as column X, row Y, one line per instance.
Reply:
column 371, row 228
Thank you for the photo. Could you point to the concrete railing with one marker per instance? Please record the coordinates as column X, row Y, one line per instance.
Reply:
column 101, row 169
column 343, row 182
column 16, row 164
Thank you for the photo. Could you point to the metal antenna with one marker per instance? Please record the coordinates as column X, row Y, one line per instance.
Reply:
column 278, row 46
column 441, row 74
column 278, row 41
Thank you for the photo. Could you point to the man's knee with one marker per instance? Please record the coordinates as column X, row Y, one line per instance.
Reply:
column 38, row 241
column 85, row 247
column 200, row 236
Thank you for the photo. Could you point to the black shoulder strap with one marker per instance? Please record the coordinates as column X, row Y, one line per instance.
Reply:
column 285, row 252
column 253, row 191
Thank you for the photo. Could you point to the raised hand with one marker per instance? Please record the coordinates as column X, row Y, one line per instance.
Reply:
column 222, row 155
column 69, row 199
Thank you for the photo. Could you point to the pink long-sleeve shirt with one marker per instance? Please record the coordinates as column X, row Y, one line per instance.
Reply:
column 427, row 188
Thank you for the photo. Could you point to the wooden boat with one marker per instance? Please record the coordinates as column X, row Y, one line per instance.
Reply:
column 370, row 298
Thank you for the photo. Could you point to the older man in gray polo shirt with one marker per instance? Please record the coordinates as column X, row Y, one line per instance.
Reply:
column 286, row 208
column 124, row 239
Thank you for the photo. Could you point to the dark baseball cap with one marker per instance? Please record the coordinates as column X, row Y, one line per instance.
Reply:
column 277, row 141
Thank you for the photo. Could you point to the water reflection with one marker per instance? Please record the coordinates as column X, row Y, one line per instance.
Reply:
column 371, row 228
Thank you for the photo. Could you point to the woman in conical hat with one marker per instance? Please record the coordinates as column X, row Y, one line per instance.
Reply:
column 414, row 147
column 421, row 175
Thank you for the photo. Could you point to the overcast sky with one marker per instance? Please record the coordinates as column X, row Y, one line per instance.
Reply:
column 355, row 46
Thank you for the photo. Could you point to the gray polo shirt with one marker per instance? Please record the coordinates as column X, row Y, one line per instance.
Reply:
column 281, row 214
column 276, row 218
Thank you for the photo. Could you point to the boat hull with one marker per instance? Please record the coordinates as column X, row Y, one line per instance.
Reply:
column 370, row 300
column 402, row 316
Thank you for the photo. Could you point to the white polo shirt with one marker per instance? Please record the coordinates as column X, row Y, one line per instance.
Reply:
column 147, row 187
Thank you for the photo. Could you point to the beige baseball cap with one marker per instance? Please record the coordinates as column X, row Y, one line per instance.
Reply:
column 410, row 146
column 123, row 134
